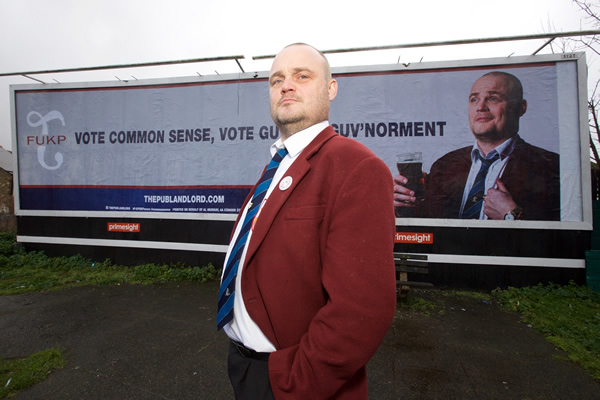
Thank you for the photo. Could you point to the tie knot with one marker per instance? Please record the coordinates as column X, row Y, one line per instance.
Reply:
column 277, row 157
column 280, row 155
column 488, row 161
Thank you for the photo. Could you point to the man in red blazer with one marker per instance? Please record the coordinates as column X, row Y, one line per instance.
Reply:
column 315, row 292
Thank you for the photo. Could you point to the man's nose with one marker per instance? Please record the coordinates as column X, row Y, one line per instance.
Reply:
column 287, row 85
column 482, row 106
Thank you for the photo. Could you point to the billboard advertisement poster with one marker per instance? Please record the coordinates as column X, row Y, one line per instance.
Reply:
column 198, row 145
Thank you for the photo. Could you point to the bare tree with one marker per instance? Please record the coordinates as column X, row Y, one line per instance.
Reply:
column 591, row 45
column 593, row 108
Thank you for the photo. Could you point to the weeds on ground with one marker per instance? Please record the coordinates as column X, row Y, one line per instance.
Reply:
column 569, row 317
column 417, row 304
column 470, row 294
column 19, row 374
column 22, row 271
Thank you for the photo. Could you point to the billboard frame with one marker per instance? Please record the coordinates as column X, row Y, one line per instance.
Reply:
column 419, row 223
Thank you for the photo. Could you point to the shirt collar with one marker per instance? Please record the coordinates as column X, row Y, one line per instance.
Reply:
column 505, row 149
column 298, row 141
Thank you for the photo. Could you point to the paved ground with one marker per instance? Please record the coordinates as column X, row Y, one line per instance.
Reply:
column 159, row 342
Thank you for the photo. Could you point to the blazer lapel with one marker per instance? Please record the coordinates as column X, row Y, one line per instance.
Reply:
column 515, row 174
column 299, row 168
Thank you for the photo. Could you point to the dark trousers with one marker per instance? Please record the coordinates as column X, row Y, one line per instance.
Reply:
column 249, row 374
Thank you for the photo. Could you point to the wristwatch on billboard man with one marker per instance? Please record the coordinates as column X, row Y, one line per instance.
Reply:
column 513, row 214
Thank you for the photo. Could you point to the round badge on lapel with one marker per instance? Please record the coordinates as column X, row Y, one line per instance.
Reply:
column 285, row 183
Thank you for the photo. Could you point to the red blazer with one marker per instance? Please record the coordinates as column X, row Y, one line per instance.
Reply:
column 319, row 277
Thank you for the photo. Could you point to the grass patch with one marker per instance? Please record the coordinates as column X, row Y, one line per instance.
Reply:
column 19, row 374
column 417, row 304
column 569, row 317
column 22, row 271
column 469, row 294
column 435, row 300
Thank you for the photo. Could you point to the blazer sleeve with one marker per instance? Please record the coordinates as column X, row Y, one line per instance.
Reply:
column 358, row 275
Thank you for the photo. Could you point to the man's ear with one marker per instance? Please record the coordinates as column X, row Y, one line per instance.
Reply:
column 332, row 89
column 522, row 107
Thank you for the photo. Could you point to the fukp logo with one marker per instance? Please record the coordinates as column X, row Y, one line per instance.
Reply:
column 123, row 227
column 43, row 120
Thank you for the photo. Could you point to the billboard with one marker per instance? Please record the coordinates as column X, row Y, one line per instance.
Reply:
column 197, row 145
column 157, row 170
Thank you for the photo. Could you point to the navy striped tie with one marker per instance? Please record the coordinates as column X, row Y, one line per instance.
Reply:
column 227, row 290
column 472, row 209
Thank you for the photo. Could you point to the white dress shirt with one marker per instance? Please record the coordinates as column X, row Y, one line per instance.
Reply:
column 495, row 171
column 242, row 328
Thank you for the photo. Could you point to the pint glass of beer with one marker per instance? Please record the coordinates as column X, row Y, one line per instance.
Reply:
column 410, row 165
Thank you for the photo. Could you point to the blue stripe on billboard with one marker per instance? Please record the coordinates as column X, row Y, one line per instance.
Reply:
column 211, row 200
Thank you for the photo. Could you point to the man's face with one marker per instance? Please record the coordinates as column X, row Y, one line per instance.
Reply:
column 493, row 111
column 299, row 89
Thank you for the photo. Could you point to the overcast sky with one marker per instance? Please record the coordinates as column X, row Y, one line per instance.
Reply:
column 45, row 35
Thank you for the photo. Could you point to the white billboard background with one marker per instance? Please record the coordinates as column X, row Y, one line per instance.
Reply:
column 163, row 110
